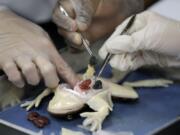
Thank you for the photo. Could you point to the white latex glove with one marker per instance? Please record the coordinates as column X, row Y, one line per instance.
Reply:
column 152, row 40
column 80, row 16
column 27, row 53
column 94, row 19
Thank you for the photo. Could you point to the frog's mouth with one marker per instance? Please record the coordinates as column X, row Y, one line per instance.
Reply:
column 67, row 100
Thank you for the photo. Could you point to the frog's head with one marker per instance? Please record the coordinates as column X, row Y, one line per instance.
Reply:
column 68, row 101
column 65, row 102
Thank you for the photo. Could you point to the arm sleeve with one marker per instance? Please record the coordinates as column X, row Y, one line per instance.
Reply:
column 2, row 7
column 35, row 10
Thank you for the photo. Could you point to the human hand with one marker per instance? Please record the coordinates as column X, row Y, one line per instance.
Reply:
column 27, row 53
column 152, row 40
column 93, row 18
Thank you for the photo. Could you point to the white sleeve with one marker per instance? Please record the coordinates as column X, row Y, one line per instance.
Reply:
column 34, row 10
column 2, row 7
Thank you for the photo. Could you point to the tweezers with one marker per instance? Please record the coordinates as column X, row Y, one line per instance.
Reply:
column 84, row 40
column 109, row 55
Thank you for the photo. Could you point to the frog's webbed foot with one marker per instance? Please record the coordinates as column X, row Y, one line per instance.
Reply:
column 93, row 121
column 149, row 83
column 35, row 103
column 102, row 104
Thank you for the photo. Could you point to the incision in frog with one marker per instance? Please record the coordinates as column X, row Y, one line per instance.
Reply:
column 96, row 95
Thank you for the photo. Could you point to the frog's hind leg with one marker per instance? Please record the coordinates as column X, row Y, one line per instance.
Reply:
column 120, row 92
column 102, row 105
column 149, row 83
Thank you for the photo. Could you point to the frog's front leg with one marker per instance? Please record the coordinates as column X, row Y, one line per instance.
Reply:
column 35, row 103
column 102, row 105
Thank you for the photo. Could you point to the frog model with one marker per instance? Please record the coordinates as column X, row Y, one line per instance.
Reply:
column 97, row 95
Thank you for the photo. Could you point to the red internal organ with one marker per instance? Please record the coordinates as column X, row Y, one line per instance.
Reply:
column 85, row 85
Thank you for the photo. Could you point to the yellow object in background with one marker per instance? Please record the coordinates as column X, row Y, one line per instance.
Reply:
column 89, row 72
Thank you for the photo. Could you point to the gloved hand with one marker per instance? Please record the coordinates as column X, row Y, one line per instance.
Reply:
column 80, row 15
column 151, row 40
column 94, row 18
column 26, row 52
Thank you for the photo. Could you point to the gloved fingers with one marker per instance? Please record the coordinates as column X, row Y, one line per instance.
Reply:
column 73, row 37
column 127, row 62
column 11, row 70
column 103, row 52
column 124, row 44
column 117, row 63
column 61, row 20
column 133, row 40
column 84, row 13
column 138, row 24
column 119, row 44
column 132, row 61
column 63, row 69
column 48, row 71
column 28, row 69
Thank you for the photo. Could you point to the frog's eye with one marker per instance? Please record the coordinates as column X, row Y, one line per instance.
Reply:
column 98, row 85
